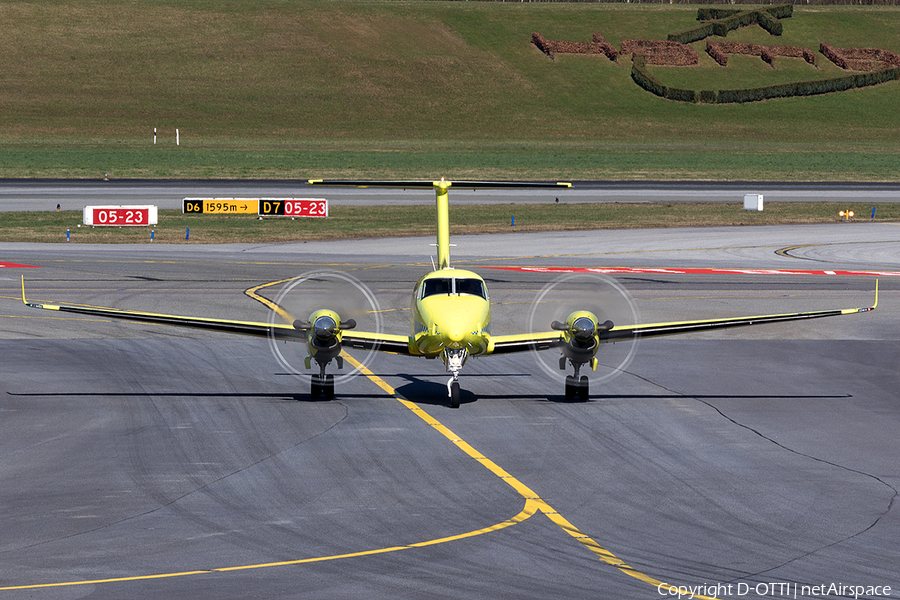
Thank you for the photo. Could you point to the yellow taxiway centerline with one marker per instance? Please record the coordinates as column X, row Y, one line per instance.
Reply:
column 533, row 503
column 531, row 498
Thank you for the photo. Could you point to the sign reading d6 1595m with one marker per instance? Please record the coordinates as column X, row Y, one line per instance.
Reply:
column 293, row 207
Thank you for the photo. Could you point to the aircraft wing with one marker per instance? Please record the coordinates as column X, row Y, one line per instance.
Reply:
column 676, row 327
column 383, row 342
column 280, row 331
column 505, row 344
column 538, row 341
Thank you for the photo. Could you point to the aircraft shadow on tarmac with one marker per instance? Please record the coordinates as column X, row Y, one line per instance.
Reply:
column 422, row 392
column 435, row 393
column 285, row 397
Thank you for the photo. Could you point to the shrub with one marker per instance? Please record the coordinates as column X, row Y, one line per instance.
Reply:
column 719, row 21
column 719, row 51
column 660, row 52
column 597, row 45
column 860, row 59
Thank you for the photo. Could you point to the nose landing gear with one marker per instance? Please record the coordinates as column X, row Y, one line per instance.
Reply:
column 454, row 359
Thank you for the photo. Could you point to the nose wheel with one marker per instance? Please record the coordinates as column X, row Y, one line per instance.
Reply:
column 454, row 360
column 453, row 390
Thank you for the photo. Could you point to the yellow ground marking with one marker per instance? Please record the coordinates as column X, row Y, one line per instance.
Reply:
column 288, row 317
column 533, row 502
column 531, row 498
column 529, row 510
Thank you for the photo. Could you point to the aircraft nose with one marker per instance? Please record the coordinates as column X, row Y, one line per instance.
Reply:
column 453, row 333
column 456, row 335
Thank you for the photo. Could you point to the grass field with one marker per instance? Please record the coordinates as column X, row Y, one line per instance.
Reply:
column 380, row 221
column 297, row 89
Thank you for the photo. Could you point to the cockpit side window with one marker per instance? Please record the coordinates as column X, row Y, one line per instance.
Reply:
column 474, row 287
column 437, row 286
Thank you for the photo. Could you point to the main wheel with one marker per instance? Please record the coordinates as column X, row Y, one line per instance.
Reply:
column 454, row 394
column 583, row 390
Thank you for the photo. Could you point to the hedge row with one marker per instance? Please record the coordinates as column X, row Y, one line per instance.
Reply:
column 719, row 51
column 597, row 45
column 658, row 52
column 779, row 11
column 860, row 59
column 766, row 18
column 809, row 88
column 607, row 48
column 646, row 80
column 649, row 82
column 801, row 2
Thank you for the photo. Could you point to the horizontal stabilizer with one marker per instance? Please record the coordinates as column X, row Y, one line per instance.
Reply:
column 413, row 184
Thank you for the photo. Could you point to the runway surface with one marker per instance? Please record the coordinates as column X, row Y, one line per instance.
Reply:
column 22, row 195
column 149, row 461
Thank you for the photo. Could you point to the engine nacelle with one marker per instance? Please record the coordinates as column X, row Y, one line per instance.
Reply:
column 582, row 332
column 323, row 334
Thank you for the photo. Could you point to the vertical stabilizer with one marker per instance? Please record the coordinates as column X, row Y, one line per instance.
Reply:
column 442, row 203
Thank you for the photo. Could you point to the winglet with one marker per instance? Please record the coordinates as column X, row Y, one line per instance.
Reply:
column 850, row 311
column 27, row 303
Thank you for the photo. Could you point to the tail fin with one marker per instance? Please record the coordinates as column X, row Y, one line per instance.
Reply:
column 441, row 200
column 442, row 203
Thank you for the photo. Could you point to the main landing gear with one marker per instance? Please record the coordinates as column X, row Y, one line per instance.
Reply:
column 322, row 385
column 577, row 388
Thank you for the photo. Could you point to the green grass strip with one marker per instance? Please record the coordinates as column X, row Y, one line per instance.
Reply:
column 347, row 222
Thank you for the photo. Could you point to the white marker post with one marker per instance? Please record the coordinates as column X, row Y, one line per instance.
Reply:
column 154, row 136
column 177, row 138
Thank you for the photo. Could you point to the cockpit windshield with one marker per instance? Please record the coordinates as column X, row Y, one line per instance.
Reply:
column 473, row 287
column 437, row 286
column 447, row 285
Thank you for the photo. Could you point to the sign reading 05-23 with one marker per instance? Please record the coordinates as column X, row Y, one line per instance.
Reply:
column 293, row 207
column 121, row 216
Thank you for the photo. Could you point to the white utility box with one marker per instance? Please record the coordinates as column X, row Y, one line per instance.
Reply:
column 753, row 201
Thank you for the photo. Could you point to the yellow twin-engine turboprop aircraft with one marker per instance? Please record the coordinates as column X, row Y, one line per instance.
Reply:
column 451, row 315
